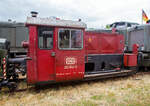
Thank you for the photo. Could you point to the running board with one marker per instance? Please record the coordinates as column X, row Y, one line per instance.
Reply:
column 98, row 72
column 110, row 74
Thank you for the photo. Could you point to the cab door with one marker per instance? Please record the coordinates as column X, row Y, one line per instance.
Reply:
column 69, row 54
column 45, row 50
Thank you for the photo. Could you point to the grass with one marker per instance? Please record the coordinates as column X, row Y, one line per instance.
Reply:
column 97, row 97
column 84, row 103
column 126, row 91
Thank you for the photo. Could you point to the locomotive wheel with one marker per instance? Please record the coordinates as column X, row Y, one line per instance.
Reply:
column 15, row 77
column 12, row 86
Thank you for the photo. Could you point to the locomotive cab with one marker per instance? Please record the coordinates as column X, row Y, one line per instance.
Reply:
column 55, row 51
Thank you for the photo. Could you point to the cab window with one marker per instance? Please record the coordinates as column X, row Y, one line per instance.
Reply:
column 70, row 39
column 45, row 38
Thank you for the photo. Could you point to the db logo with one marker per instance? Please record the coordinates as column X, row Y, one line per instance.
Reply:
column 71, row 60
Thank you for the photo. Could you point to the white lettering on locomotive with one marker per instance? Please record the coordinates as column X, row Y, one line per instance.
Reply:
column 71, row 60
column 70, row 67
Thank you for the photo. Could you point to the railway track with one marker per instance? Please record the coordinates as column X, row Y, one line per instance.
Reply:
column 23, row 80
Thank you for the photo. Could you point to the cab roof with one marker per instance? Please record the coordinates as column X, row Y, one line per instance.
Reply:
column 54, row 22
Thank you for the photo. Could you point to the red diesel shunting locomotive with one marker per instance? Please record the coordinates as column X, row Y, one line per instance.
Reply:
column 61, row 50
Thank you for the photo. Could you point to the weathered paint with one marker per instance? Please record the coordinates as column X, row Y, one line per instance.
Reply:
column 32, row 73
column 58, row 65
column 65, row 65
column 69, row 63
column 104, row 43
column 55, row 22
column 45, row 62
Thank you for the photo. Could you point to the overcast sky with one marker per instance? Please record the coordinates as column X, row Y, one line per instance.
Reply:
column 95, row 13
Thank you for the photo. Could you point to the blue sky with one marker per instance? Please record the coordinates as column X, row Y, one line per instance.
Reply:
column 96, row 13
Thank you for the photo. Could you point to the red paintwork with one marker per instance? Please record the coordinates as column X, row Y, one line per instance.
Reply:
column 130, row 60
column 104, row 43
column 32, row 64
column 135, row 48
column 45, row 65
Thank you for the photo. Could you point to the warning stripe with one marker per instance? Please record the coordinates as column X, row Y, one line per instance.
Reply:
column 4, row 68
